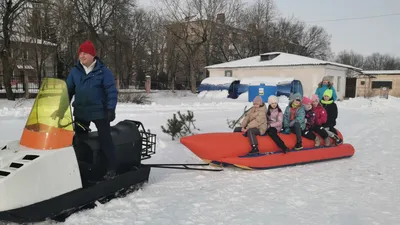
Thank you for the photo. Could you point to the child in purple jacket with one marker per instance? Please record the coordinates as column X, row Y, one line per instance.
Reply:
column 275, row 119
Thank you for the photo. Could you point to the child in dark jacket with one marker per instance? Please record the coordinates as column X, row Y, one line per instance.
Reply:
column 294, row 119
column 310, row 120
column 332, row 111
column 320, row 118
column 275, row 119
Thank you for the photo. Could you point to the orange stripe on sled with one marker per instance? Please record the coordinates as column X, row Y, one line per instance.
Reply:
column 291, row 158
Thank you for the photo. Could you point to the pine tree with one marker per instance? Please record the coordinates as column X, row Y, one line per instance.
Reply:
column 180, row 127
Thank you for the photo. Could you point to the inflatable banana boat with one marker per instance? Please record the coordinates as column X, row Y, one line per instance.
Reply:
column 231, row 148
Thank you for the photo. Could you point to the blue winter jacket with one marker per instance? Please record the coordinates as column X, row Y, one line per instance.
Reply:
column 320, row 91
column 95, row 93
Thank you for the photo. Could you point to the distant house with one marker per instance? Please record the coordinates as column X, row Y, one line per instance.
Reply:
column 308, row 70
column 378, row 82
column 25, row 53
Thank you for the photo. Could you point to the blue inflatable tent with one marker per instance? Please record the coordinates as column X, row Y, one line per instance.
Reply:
column 264, row 86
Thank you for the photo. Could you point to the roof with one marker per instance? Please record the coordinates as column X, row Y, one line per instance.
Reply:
column 28, row 39
column 282, row 59
column 381, row 72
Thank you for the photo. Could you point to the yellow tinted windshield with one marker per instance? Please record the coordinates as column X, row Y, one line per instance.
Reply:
column 49, row 125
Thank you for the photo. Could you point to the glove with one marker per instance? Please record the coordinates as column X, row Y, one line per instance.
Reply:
column 111, row 115
column 56, row 114
column 286, row 131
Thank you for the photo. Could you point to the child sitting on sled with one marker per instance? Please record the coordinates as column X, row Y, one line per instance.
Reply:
column 294, row 119
column 310, row 122
column 275, row 119
column 331, row 109
column 254, row 123
column 320, row 118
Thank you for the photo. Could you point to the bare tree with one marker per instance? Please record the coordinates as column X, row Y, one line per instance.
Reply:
column 96, row 15
column 293, row 36
column 191, row 27
column 38, row 26
column 378, row 61
column 350, row 58
column 10, row 12
column 259, row 21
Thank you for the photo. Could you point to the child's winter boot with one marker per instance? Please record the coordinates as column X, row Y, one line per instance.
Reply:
column 327, row 141
column 254, row 150
column 298, row 146
column 338, row 140
column 317, row 141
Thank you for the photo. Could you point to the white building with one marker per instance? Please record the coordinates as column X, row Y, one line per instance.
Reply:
column 309, row 71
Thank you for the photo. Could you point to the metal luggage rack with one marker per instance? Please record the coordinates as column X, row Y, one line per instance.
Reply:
column 148, row 141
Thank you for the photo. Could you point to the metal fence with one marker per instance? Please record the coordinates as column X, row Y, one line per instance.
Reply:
column 18, row 87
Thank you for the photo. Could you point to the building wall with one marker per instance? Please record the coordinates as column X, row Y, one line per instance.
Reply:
column 309, row 76
column 364, row 86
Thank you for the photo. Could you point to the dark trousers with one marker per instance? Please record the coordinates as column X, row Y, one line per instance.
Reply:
column 297, row 130
column 320, row 131
column 251, row 134
column 308, row 134
column 273, row 133
column 105, row 139
column 332, row 129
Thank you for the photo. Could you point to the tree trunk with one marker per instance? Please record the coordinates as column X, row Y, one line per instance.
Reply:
column 7, row 72
column 26, row 85
column 193, row 79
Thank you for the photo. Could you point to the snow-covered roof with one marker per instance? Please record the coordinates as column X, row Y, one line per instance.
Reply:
column 265, row 80
column 254, row 80
column 381, row 72
column 218, row 80
column 28, row 39
column 281, row 59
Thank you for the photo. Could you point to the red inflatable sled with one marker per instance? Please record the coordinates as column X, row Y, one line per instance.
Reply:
column 231, row 149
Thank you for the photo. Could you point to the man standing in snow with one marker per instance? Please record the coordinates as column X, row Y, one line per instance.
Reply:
column 96, row 95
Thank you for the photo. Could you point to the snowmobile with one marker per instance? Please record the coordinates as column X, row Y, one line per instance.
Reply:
column 51, row 172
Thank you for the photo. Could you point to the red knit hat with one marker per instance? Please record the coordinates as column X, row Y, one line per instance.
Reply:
column 87, row 47
column 306, row 101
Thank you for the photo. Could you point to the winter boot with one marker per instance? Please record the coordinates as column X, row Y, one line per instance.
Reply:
column 298, row 146
column 254, row 150
column 327, row 141
column 317, row 142
column 338, row 140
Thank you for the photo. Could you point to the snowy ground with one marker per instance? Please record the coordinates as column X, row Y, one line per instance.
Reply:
column 363, row 189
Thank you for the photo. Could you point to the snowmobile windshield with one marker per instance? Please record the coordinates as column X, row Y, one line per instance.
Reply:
column 49, row 125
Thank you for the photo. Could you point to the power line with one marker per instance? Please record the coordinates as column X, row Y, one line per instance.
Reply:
column 355, row 18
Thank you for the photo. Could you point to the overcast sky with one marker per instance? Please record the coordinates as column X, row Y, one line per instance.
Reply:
column 367, row 35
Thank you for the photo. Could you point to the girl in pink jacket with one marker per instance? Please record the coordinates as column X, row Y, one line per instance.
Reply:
column 275, row 119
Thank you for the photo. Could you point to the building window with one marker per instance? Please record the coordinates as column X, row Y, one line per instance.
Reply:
column 381, row 84
column 24, row 55
column 228, row 73
column 362, row 82
column 339, row 80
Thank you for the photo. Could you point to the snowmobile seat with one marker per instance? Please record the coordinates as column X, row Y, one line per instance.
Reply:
column 92, row 161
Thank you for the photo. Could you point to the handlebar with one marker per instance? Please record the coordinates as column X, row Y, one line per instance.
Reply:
column 86, row 128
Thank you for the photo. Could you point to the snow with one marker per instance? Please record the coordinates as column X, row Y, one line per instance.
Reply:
column 283, row 59
column 363, row 189
column 222, row 94
column 381, row 72
column 218, row 80
column 272, row 81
